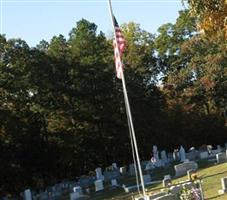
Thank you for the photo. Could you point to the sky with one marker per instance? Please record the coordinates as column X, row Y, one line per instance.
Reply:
column 34, row 20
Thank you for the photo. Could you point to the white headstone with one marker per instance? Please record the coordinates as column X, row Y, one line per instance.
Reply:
column 182, row 154
column 123, row 170
column 99, row 175
column 175, row 154
column 98, row 185
column 27, row 194
column 77, row 189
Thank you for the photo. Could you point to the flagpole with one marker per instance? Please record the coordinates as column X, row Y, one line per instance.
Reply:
column 128, row 108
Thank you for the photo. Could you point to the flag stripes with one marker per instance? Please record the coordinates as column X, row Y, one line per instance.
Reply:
column 119, row 47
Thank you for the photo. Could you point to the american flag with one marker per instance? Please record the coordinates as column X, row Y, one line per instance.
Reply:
column 119, row 47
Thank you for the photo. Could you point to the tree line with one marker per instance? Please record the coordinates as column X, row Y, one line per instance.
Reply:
column 62, row 110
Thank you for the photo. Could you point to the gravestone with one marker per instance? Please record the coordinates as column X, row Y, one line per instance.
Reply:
column 77, row 193
column 209, row 148
column 132, row 170
column 181, row 169
column 56, row 195
column 99, row 185
column 77, row 189
column 27, row 194
column 147, row 178
column 221, row 157
column 113, row 174
column 155, row 159
column 215, row 151
column 219, row 148
column 114, row 165
column 144, row 164
column 223, row 185
column 176, row 155
column 164, row 157
column 192, row 154
column 99, row 175
column 114, row 183
column 149, row 166
column 43, row 196
column 123, row 170
column 166, row 182
column 86, row 181
column 182, row 154
column 170, row 156
column 203, row 155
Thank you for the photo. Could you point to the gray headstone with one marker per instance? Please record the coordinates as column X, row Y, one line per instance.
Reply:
column 166, row 182
column 99, row 185
column 182, row 154
column 114, row 183
column 176, row 155
column 132, row 170
column 147, row 178
column 224, row 184
column 109, row 175
column 181, row 169
column 221, row 157
column 203, row 155
column 27, row 194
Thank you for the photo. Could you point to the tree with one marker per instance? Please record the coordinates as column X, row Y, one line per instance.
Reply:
column 211, row 14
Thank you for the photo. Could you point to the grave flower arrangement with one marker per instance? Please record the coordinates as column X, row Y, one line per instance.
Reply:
column 190, row 194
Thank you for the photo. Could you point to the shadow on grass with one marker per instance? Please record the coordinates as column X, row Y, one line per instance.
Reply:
column 213, row 197
column 208, row 176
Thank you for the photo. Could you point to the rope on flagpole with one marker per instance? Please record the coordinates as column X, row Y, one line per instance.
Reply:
column 128, row 108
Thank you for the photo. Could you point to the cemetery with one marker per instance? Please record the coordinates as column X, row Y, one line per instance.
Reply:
column 108, row 110
column 167, row 176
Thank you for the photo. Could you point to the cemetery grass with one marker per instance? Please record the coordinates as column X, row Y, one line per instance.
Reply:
column 210, row 174
column 211, row 180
